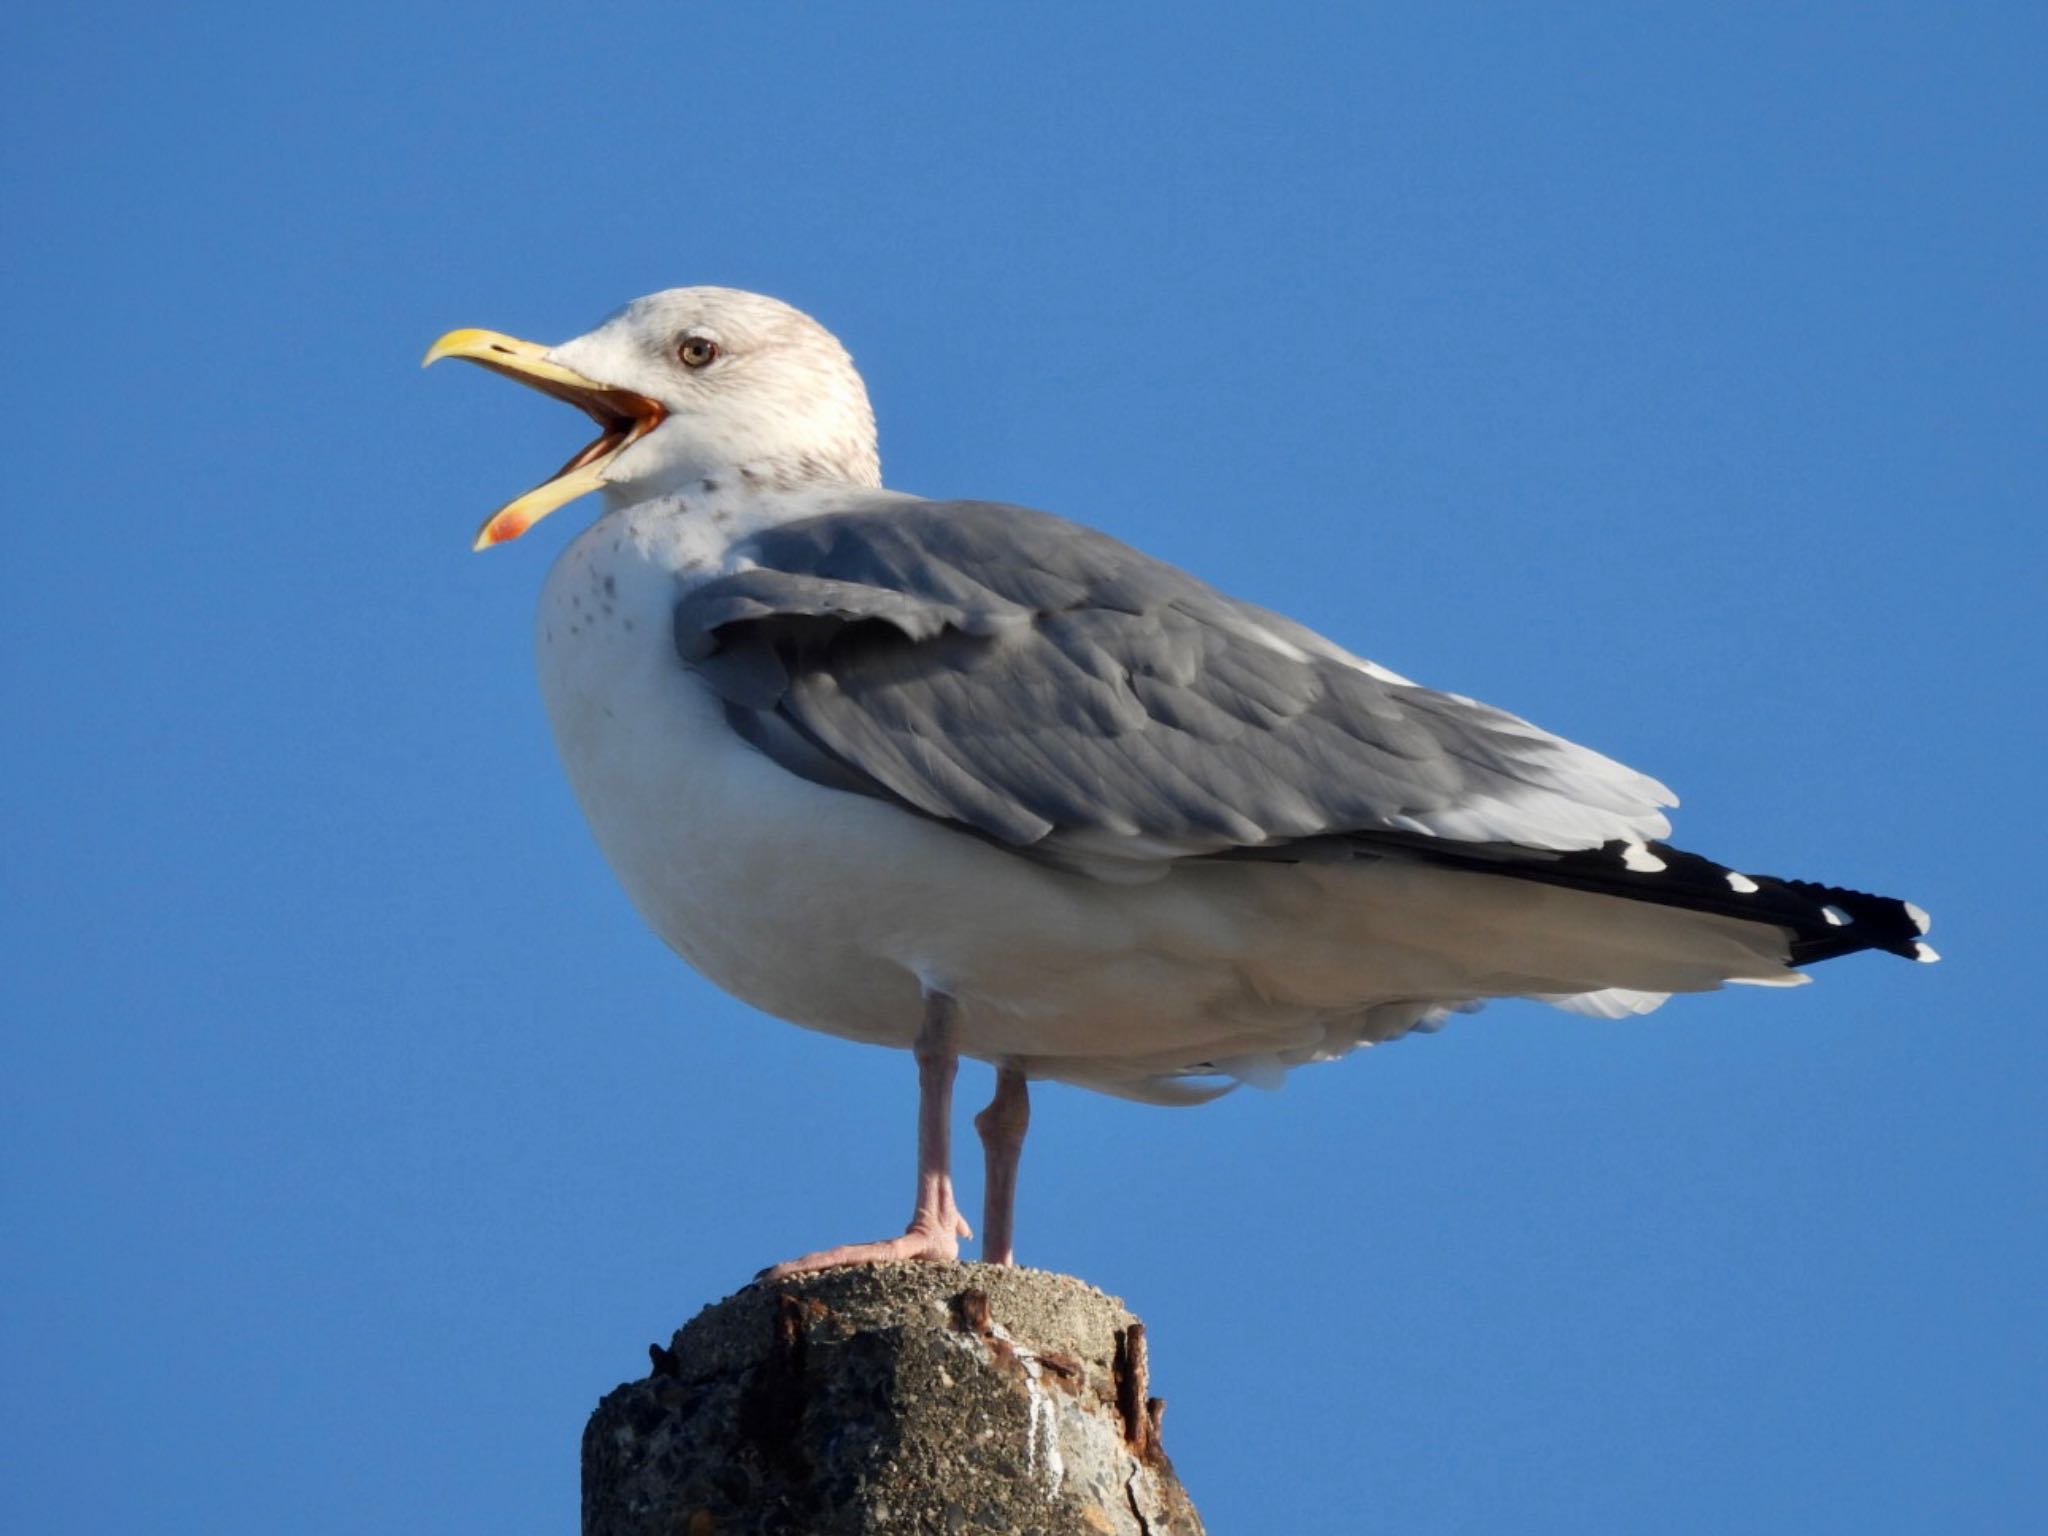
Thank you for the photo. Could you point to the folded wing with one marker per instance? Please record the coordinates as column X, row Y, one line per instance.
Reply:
column 1050, row 688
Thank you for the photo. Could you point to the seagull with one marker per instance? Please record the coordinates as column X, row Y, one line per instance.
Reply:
column 974, row 780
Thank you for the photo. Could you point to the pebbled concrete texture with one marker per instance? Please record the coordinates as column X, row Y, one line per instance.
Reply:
column 908, row 1398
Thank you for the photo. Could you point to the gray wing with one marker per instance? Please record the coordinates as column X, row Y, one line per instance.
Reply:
column 1048, row 687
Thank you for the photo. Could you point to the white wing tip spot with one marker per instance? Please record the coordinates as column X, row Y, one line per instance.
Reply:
column 1639, row 858
column 1920, row 918
column 1926, row 954
column 1742, row 885
column 1836, row 916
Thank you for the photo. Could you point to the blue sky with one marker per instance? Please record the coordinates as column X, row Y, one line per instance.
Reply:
column 1671, row 376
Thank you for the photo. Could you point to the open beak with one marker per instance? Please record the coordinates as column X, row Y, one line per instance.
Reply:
column 622, row 417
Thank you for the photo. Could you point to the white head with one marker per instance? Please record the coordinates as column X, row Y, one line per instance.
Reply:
column 689, row 384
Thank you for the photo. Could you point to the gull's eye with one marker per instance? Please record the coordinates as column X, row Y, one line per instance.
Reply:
column 697, row 351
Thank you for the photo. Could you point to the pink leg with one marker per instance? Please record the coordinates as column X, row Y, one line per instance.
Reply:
column 1002, row 1126
column 936, row 1226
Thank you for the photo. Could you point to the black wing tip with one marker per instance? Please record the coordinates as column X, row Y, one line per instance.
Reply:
column 1824, row 921
column 1857, row 920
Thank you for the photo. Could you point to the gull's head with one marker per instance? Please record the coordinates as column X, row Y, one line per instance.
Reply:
column 687, row 384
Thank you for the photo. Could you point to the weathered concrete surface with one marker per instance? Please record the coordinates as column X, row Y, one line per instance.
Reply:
column 947, row 1398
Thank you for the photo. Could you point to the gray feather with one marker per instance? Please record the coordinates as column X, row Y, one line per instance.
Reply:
column 1046, row 686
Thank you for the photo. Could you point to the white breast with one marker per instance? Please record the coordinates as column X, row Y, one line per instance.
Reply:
column 824, row 908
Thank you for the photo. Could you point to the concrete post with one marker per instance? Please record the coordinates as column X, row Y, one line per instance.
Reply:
column 964, row 1399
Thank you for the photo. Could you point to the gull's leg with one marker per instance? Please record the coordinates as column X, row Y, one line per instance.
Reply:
column 936, row 1226
column 1002, row 1126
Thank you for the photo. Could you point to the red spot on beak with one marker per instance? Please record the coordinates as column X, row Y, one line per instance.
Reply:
column 501, row 529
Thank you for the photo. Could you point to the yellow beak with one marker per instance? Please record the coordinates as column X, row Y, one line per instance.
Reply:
column 624, row 417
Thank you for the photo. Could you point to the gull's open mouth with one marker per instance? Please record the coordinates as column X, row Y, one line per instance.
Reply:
column 622, row 416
